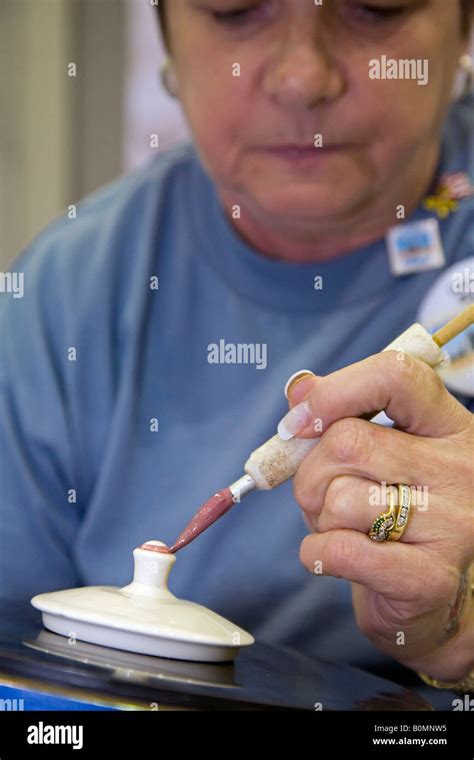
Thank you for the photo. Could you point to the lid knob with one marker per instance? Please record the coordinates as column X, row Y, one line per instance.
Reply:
column 153, row 564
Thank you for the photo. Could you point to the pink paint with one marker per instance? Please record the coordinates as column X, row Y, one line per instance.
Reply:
column 155, row 548
column 214, row 508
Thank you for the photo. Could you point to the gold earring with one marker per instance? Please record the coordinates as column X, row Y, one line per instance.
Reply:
column 168, row 79
column 466, row 63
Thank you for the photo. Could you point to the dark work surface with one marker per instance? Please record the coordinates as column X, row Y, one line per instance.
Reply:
column 262, row 676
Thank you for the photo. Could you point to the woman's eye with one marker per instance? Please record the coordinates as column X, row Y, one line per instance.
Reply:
column 365, row 11
column 237, row 16
column 377, row 13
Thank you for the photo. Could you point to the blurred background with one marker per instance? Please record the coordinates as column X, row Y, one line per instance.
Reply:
column 63, row 136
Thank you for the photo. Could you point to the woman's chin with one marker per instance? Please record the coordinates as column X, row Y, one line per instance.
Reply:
column 314, row 207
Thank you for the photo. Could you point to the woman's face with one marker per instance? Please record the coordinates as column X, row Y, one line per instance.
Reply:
column 304, row 70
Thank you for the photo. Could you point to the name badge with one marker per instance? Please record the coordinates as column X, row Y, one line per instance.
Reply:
column 415, row 247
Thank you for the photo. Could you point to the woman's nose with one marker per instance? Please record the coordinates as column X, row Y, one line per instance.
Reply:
column 303, row 77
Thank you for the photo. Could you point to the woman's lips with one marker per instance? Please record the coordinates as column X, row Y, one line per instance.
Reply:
column 296, row 153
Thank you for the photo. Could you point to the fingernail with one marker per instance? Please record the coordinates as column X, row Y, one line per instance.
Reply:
column 295, row 421
column 295, row 378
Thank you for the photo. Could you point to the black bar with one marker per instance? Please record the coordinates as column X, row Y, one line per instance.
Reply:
column 376, row 734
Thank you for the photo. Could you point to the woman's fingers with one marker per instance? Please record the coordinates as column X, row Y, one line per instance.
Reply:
column 354, row 503
column 398, row 571
column 381, row 454
column 409, row 391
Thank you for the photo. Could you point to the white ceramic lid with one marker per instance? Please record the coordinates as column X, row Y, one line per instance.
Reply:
column 143, row 616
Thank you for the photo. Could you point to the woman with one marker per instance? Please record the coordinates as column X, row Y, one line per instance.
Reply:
column 317, row 130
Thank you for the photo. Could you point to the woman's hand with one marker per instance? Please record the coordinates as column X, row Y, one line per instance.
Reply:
column 412, row 598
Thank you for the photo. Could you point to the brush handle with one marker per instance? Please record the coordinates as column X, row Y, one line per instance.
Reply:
column 455, row 326
column 276, row 460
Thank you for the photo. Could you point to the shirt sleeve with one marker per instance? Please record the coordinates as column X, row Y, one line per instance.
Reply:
column 39, row 513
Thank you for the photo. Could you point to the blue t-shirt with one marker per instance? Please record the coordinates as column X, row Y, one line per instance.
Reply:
column 115, row 426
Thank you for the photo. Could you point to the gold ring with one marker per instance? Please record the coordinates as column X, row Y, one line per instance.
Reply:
column 385, row 522
column 403, row 515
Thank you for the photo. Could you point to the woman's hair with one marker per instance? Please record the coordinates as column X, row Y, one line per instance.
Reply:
column 467, row 9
